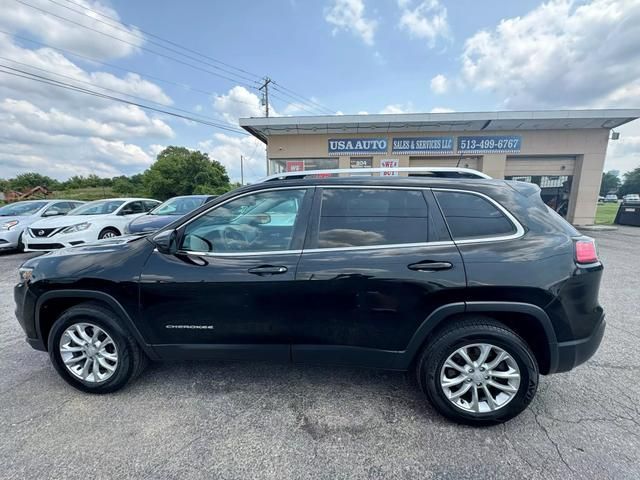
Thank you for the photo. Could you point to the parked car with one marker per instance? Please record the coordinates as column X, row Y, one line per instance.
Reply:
column 611, row 198
column 166, row 213
column 16, row 217
column 476, row 285
column 90, row 222
column 631, row 198
column 600, row 199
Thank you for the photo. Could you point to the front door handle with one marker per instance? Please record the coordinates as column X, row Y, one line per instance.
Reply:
column 268, row 270
column 430, row 266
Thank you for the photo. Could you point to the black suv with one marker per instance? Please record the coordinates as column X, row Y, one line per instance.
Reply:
column 474, row 284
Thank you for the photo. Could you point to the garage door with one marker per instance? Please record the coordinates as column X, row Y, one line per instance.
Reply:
column 539, row 166
column 464, row 162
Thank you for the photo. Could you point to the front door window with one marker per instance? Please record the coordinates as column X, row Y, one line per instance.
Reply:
column 261, row 222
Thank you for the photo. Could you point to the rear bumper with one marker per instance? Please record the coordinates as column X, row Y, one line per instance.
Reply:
column 573, row 353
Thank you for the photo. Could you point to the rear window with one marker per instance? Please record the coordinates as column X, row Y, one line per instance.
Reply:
column 354, row 217
column 472, row 216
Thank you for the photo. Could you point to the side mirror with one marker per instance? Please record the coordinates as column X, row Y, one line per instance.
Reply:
column 166, row 241
column 52, row 213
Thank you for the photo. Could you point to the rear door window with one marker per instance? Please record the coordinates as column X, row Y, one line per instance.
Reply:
column 471, row 216
column 361, row 217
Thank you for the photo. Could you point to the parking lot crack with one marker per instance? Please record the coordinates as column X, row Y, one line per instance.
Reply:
column 555, row 445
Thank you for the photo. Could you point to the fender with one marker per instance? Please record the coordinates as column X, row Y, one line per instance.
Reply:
column 536, row 312
column 436, row 317
column 100, row 296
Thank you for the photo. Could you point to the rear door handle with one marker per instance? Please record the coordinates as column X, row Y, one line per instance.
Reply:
column 268, row 270
column 430, row 266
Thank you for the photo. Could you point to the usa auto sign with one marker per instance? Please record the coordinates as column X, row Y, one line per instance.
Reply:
column 357, row 146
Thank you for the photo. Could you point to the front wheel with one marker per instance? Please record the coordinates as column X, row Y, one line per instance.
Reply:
column 478, row 372
column 108, row 233
column 92, row 351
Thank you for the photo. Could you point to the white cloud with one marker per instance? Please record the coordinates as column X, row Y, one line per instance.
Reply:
column 441, row 110
column 239, row 103
column 425, row 20
column 624, row 154
column 349, row 15
column 62, row 133
column 439, row 84
column 398, row 108
column 561, row 54
column 227, row 149
column 18, row 17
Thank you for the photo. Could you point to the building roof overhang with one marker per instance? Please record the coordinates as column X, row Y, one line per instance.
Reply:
column 262, row 127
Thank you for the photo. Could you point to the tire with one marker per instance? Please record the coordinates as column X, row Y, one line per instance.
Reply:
column 20, row 247
column 108, row 233
column 431, row 373
column 131, row 360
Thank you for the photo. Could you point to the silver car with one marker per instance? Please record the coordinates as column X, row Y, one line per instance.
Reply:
column 16, row 217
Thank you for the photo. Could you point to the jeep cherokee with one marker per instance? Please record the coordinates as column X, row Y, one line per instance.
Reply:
column 474, row 284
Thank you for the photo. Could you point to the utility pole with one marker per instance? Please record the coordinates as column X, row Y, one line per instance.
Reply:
column 265, row 90
column 265, row 101
column 241, row 170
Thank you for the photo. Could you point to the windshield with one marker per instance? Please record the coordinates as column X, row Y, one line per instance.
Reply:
column 101, row 207
column 21, row 209
column 178, row 206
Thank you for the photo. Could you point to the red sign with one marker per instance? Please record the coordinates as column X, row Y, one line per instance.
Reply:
column 295, row 166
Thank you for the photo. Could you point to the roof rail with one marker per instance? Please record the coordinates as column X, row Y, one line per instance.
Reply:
column 455, row 172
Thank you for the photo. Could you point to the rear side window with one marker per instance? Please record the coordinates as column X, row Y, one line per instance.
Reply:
column 472, row 216
column 355, row 217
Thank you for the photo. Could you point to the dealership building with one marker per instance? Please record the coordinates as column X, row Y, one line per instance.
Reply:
column 561, row 151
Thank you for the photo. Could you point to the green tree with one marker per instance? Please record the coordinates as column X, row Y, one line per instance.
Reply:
column 28, row 180
column 631, row 182
column 180, row 171
column 610, row 182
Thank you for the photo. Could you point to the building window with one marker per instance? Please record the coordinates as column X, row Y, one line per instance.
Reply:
column 280, row 165
column 353, row 217
column 471, row 216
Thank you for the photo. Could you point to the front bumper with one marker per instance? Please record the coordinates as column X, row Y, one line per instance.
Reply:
column 32, row 244
column 576, row 352
column 9, row 239
column 25, row 309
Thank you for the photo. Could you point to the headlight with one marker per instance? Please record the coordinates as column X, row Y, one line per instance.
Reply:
column 9, row 225
column 25, row 274
column 76, row 228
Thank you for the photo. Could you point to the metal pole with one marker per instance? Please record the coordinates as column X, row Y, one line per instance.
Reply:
column 241, row 170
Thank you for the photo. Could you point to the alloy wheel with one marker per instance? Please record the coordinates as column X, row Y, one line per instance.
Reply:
column 480, row 378
column 88, row 352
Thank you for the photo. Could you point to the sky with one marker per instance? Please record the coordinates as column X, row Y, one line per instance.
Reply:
column 324, row 56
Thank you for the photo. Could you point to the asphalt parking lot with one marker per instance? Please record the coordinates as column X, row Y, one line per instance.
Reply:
column 247, row 420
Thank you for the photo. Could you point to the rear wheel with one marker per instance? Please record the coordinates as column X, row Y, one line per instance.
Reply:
column 92, row 351
column 478, row 372
column 108, row 233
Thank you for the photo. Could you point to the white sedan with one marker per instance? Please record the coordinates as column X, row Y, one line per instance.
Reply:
column 88, row 223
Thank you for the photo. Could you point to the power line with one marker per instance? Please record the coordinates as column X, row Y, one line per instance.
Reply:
column 67, row 86
column 117, row 27
column 165, row 40
column 299, row 98
column 108, row 89
column 160, row 54
column 116, row 67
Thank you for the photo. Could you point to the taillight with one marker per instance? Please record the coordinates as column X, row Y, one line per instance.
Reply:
column 586, row 251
